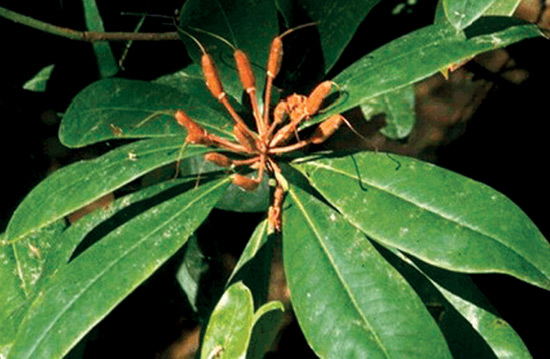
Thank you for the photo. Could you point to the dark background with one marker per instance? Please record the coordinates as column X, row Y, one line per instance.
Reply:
column 503, row 144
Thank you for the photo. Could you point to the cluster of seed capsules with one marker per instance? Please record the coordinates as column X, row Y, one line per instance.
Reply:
column 273, row 133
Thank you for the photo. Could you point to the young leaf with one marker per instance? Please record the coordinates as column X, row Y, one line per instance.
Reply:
column 230, row 326
column 441, row 217
column 83, row 182
column 348, row 300
column 119, row 108
column 420, row 54
column 462, row 13
column 88, row 288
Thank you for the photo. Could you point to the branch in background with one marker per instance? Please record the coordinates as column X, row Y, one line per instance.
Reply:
column 90, row 36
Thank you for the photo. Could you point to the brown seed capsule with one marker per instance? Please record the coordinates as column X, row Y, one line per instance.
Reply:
column 211, row 76
column 246, row 183
column 275, row 57
column 195, row 133
column 218, row 159
column 245, row 71
column 315, row 99
column 326, row 129
column 245, row 139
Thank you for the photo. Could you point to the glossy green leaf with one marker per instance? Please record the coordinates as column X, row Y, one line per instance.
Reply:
column 228, row 332
column 350, row 303
column 471, row 325
column 336, row 22
column 462, row 13
column 398, row 107
column 441, row 217
column 83, row 182
column 420, row 54
column 247, row 25
column 119, row 108
column 88, row 288
column 106, row 62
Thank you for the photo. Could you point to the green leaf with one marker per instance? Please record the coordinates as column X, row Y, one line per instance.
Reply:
column 192, row 268
column 420, row 54
column 39, row 81
column 88, row 288
column 119, row 108
column 441, row 217
column 254, row 265
column 267, row 322
column 81, row 183
column 462, row 13
column 348, row 300
column 336, row 22
column 471, row 325
column 106, row 62
column 247, row 25
column 398, row 106
column 230, row 326
column 498, row 8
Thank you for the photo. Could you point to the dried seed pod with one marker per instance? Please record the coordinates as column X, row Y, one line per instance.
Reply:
column 195, row 133
column 218, row 159
column 326, row 129
column 246, row 183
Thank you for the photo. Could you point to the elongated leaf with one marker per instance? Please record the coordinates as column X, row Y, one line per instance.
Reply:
column 438, row 216
column 119, row 108
column 106, row 62
column 420, row 54
column 462, row 13
column 192, row 268
column 247, row 25
column 349, row 301
column 97, row 280
column 83, row 182
column 398, row 106
column 336, row 22
column 471, row 325
column 230, row 326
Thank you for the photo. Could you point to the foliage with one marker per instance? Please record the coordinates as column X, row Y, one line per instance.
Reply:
column 370, row 240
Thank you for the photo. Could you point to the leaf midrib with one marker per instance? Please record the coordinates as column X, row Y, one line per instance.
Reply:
column 338, row 275
column 431, row 210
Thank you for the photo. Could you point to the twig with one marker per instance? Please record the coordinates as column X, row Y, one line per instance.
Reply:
column 90, row 36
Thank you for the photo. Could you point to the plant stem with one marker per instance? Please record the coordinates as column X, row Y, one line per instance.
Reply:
column 90, row 36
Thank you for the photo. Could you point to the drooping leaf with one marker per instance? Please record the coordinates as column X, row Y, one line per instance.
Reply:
column 120, row 108
column 349, row 301
column 336, row 22
column 462, row 13
column 83, row 182
column 248, row 25
column 420, row 54
column 398, row 107
column 106, row 62
column 472, row 327
column 88, row 288
column 441, row 217
column 228, row 332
